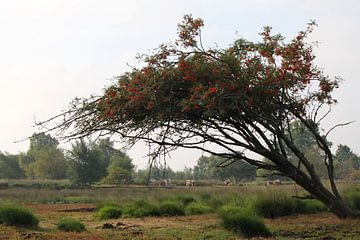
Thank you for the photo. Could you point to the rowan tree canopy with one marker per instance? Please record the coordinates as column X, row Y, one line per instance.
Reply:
column 241, row 98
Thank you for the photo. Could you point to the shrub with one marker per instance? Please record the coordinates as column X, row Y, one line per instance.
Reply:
column 272, row 206
column 171, row 208
column 197, row 208
column 71, row 225
column 17, row 216
column 310, row 206
column 185, row 200
column 243, row 221
column 277, row 205
column 352, row 197
column 108, row 212
column 140, row 208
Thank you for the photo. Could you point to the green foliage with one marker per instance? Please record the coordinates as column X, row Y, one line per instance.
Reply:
column 171, row 208
column 352, row 196
column 213, row 167
column 243, row 221
column 84, row 164
column 197, row 208
column 44, row 159
column 185, row 199
column 140, row 208
column 17, row 216
column 109, row 212
column 278, row 205
column 118, row 176
column 10, row 167
column 71, row 225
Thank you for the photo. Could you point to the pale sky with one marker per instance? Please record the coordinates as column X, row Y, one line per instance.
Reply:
column 54, row 51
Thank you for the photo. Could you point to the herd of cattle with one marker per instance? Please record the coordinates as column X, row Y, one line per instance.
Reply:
column 191, row 183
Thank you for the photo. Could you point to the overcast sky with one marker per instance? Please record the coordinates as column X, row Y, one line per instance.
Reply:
column 53, row 51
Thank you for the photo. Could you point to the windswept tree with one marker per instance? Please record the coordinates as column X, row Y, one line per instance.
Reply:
column 227, row 102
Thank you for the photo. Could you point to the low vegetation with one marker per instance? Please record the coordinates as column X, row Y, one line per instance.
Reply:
column 17, row 216
column 243, row 221
column 109, row 212
column 71, row 225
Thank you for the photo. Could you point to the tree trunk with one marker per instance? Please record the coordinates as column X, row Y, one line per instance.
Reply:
column 335, row 204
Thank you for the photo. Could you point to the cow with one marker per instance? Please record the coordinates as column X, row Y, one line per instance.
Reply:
column 227, row 182
column 274, row 182
column 189, row 183
column 165, row 183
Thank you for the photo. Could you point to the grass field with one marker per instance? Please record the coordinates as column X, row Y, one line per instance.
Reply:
column 51, row 206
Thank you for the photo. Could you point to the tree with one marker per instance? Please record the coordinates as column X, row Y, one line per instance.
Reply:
column 213, row 167
column 240, row 99
column 10, row 167
column 344, row 153
column 120, row 169
column 84, row 164
column 44, row 159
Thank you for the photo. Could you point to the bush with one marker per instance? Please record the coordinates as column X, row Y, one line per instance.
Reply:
column 108, row 212
column 17, row 216
column 278, row 205
column 197, row 208
column 272, row 206
column 140, row 208
column 71, row 225
column 171, row 208
column 310, row 206
column 243, row 221
column 352, row 197
column 185, row 200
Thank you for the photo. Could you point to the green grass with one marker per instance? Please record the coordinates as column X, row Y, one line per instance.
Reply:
column 17, row 216
column 352, row 196
column 279, row 204
column 243, row 221
column 195, row 208
column 109, row 212
column 71, row 225
column 170, row 208
column 140, row 208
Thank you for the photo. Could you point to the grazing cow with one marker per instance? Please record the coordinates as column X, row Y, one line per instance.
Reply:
column 227, row 182
column 274, row 182
column 165, row 183
column 189, row 183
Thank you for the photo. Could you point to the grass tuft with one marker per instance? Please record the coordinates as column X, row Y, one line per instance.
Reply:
column 140, row 208
column 197, row 208
column 109, row 212
column 71, row 225
column 17, row 216
column 171, row 208
column 243, row 221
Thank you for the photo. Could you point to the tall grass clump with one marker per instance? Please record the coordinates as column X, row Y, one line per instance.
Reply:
column 71, row 225
column 17, row 216
column 195, row 208
column 170, row 208
column 274, row 205
column 352, row 196
column 110, row 211
column 140, row 208
column 278, row 205
column 243, row 221
column 185, row 199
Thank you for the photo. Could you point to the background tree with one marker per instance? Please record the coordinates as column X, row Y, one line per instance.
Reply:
column 84, row 164
column 347, row 163
column 213, row 167
column 240, row 99
column 10, row 167
column 120, row 170
column 44, row 159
